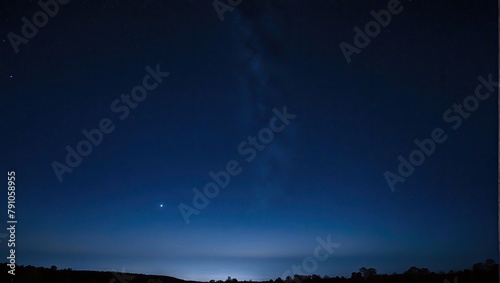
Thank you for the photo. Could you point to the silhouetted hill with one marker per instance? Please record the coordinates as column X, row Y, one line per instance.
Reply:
column 31, row 274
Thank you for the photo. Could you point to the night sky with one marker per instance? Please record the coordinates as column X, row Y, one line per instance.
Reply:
column 224, row 141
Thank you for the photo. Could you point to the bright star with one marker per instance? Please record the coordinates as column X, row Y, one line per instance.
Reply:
column 161, row 205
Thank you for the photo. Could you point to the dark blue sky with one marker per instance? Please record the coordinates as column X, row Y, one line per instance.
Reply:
column 321, row 176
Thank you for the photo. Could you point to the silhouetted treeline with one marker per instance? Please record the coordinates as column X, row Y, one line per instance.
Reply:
column 479, row 273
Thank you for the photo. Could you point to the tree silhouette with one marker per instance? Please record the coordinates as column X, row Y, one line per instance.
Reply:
column 368, row 272
column 478, row 267
column 415, row 271
column 356, row 275
column 489, row 264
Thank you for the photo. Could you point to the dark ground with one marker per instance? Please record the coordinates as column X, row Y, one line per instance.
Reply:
column 479, row 273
